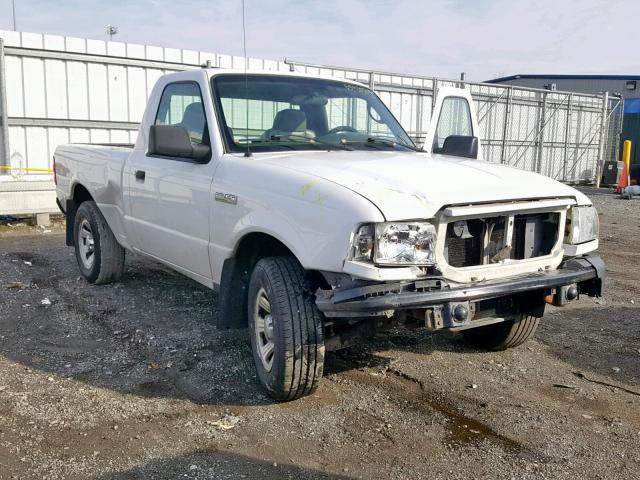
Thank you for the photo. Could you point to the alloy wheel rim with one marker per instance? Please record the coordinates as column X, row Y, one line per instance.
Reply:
column 86, row 244
column 263, row 326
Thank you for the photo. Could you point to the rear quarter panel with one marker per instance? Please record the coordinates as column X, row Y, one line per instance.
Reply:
column 99, row 170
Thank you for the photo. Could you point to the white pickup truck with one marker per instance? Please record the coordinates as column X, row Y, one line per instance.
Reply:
column 304, row 203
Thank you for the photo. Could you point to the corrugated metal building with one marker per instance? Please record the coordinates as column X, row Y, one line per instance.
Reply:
column 628, row 86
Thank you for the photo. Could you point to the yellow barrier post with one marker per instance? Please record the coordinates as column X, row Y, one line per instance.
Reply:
column 626, row 159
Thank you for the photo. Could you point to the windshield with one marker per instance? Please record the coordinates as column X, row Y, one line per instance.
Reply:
column 269, row 113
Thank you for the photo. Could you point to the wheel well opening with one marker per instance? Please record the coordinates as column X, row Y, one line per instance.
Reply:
column 81, row 194
column 236, row 275
column 255, row 246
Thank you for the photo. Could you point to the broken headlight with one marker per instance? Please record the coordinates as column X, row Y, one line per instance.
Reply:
column 396, row 243
column 582, row 225
column 362, row 246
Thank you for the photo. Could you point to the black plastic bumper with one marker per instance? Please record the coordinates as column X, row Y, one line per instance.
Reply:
column 587, row 271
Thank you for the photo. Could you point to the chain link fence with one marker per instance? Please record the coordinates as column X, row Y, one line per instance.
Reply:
column 562, row 135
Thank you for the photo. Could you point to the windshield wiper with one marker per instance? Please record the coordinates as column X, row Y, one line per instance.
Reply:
column 393, row 143
column 384, row 141
column 284, row 144
column 278, row 138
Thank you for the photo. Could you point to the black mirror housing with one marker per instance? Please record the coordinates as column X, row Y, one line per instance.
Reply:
column 460, row 146
column 174, row 141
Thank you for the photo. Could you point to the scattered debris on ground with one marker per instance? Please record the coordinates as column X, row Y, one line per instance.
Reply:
column 133, row 381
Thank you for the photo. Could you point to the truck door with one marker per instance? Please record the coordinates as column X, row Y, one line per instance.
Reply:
column 454, row 115
column 168, row 197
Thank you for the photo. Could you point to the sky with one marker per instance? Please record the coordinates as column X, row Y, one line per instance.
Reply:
column 484, row 38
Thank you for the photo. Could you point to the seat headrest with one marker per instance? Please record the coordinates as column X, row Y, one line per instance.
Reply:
column 290, row 120
column 193, row 118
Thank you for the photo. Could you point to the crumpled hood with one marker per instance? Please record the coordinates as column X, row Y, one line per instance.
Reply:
column 408, row 185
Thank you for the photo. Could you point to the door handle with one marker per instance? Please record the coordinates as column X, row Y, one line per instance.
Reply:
column 140, row 174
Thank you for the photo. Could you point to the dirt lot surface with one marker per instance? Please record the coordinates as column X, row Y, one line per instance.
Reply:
column 132, row 380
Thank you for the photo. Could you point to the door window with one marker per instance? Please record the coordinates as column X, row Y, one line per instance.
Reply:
column 181, row 105
column 455, row 119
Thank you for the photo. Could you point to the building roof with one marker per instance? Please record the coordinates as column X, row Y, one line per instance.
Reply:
column 564, row 77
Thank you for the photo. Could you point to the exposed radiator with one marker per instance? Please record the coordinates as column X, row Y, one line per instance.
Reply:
column 482, row 241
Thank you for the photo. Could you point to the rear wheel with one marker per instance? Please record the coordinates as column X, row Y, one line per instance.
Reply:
column 501, row 336
column 286, row 328
column 99, row 255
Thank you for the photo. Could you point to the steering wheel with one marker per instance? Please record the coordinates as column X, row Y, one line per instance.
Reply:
column 341, row 128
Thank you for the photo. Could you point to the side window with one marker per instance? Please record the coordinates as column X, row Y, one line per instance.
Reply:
column 455, row 119
column 181, row 105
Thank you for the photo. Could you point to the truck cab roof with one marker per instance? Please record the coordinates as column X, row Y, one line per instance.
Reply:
column 214, row 72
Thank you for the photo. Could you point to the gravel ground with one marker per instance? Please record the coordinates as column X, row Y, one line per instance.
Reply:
column 132, row 380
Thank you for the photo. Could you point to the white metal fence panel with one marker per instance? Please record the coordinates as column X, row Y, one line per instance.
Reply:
column 65, row 89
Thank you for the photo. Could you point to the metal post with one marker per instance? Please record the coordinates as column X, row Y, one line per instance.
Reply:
column 619, row 129
column 292, row 66
column 419, row 109
column 4, row 120
column 434, row 96
column 540, row 152
column 603, row 132
column 505, row 125
column 567, row 132
column 13, row 7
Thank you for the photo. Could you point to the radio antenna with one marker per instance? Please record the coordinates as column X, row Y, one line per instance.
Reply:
column 247, row 153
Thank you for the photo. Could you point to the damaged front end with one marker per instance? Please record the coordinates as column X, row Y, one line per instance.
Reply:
column 437, row 304
column 469, row 266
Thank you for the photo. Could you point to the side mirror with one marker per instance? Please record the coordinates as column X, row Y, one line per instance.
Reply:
column 460, row 146
column 174, row 141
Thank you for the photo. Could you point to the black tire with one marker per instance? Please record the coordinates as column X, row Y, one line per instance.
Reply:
column 108, row 256
column 501, row 336
column 297, row 330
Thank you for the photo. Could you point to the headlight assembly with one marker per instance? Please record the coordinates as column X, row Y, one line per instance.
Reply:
column 396, row 243
column 582, row 225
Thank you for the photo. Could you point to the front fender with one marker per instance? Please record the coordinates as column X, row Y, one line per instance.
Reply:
column 313, row 217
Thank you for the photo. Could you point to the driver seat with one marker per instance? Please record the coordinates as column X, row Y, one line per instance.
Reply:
column 289, row 121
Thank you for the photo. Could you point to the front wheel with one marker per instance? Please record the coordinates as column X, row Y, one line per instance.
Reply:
column 501, row 336
column 286, row 328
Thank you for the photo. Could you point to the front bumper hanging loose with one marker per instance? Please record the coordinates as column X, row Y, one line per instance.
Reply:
column 384, row 298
